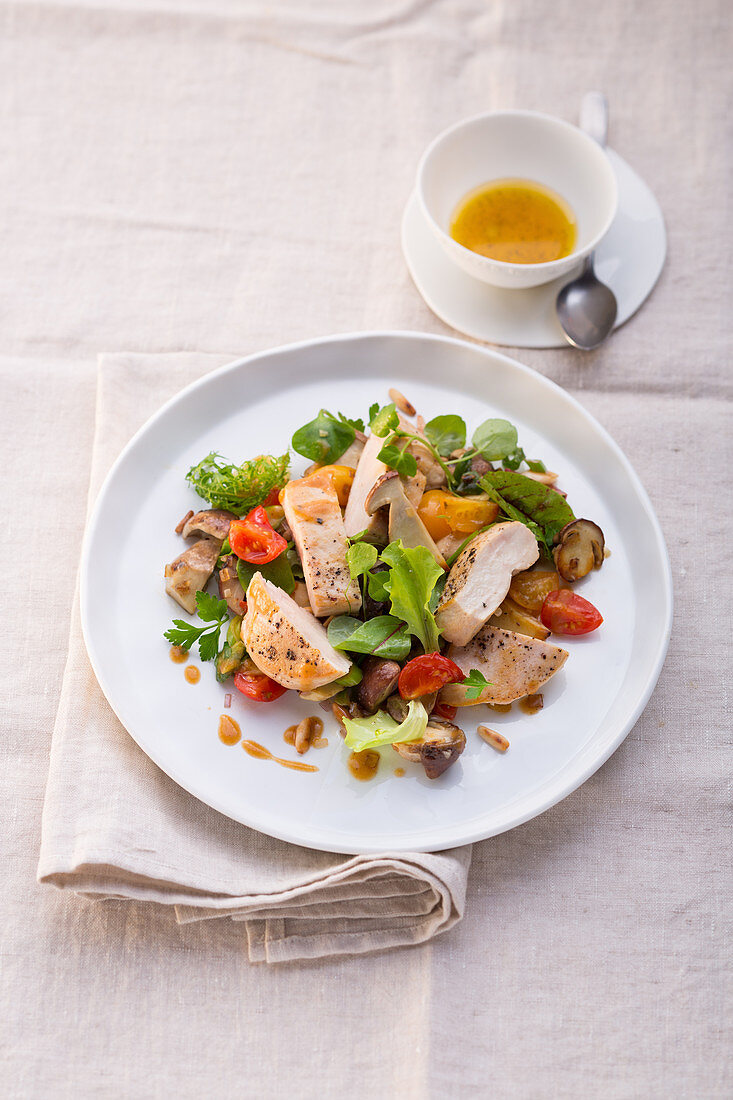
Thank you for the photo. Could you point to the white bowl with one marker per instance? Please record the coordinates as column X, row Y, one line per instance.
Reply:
column 521, row 145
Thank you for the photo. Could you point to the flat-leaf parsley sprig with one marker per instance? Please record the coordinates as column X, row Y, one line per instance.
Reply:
column 214, row 613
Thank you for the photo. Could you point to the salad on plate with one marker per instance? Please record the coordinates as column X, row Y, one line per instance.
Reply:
column 406, row 575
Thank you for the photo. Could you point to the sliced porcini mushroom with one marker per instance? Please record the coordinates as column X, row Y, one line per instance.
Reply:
column 353, row 452
column 190, row 572
column 213, row 522
column 404, row 522
column 230, row 588
column 580, row 549
column 439, row 747
column 414, row 488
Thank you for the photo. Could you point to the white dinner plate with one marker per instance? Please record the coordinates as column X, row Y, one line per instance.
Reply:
column 629, row 259
column 252, row 407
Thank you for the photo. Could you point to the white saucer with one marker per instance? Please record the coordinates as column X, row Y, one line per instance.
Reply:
column 629, row 259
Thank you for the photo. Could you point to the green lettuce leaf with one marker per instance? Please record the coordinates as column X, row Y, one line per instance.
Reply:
column 413, row 576
column 380, row 729
column 383, row 636
column 279, row 572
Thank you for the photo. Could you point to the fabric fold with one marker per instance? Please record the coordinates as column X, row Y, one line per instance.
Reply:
column 116, row 827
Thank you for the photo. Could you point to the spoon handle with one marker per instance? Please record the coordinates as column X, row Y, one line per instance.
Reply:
column 594, row 116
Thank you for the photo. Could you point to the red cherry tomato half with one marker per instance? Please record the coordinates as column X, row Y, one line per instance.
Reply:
column 257, row 686
column 445, row 710
column 272, row 497
column 424, row 675
column 253, row 539
column 564, row 612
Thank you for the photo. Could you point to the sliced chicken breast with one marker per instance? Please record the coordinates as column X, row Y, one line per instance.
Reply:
column 286, row 642
column 368, row 470
column 514, row 664
column 314, row 516
column 189, row 573
column 480, row 579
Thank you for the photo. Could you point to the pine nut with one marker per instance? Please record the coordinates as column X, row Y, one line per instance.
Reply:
column 402, row 403
column 491, row 737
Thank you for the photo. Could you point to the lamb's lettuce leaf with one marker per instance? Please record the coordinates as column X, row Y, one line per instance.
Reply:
column 383, row 636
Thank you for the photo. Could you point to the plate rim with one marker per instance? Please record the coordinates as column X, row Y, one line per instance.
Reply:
column 433, row 843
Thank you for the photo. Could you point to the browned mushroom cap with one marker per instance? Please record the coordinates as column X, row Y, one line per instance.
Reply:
column 379, row 679
column 189, row 573
column 213, row 522
column 580, row 549
column 404, row 522
column 440, row 746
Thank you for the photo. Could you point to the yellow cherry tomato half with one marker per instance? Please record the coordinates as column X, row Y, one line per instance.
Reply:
column 530, row 588
column 340, row 477
column 444, row 514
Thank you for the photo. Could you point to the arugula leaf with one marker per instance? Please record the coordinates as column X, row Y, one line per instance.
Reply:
column 238, row 489
column 214, row 613
column 398, row 459
column 495, row 439
column 380, row 729
column 325, row 438
column 474, row 684
column 384, row 420
column 413, row 575
column 538, row 506
column 383, row 636
column 360, row 557
column 446, row 433
column 278, row 571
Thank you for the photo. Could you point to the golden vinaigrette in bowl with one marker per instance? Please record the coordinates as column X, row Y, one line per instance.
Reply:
column 515, row 221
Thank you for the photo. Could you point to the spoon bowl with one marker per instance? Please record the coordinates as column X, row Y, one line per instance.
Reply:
column 586, row 309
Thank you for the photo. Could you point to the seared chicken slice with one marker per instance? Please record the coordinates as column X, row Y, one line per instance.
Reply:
column 189, row 573
column 370, row 468
column 314, row 516
column 286, row 642
column 213, row 522
column 480, row 579
column 514, row 664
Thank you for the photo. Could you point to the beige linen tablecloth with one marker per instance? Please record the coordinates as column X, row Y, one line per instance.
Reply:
column 226, row 176
column 115, row 827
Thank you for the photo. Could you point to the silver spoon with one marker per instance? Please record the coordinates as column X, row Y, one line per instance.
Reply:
column 586, row 307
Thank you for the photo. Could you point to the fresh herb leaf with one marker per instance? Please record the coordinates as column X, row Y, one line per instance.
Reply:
column 360, row 557
column 356, row 422
column 413, row 575
column 238, row 489
column 495, row 439
column 398, row 459
column 536, row 466
column 384, row 420
column 384, row 636
column 324, row 439
column 214, row 613
column 278, row 571
column 515, row 459
column 538, row 506
column 376, row 584
column 380, row 729
column 446, row 433
column 475, row 683
column 373, row 410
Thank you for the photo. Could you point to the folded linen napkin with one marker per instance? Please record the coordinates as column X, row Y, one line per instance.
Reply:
column 114, row 826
